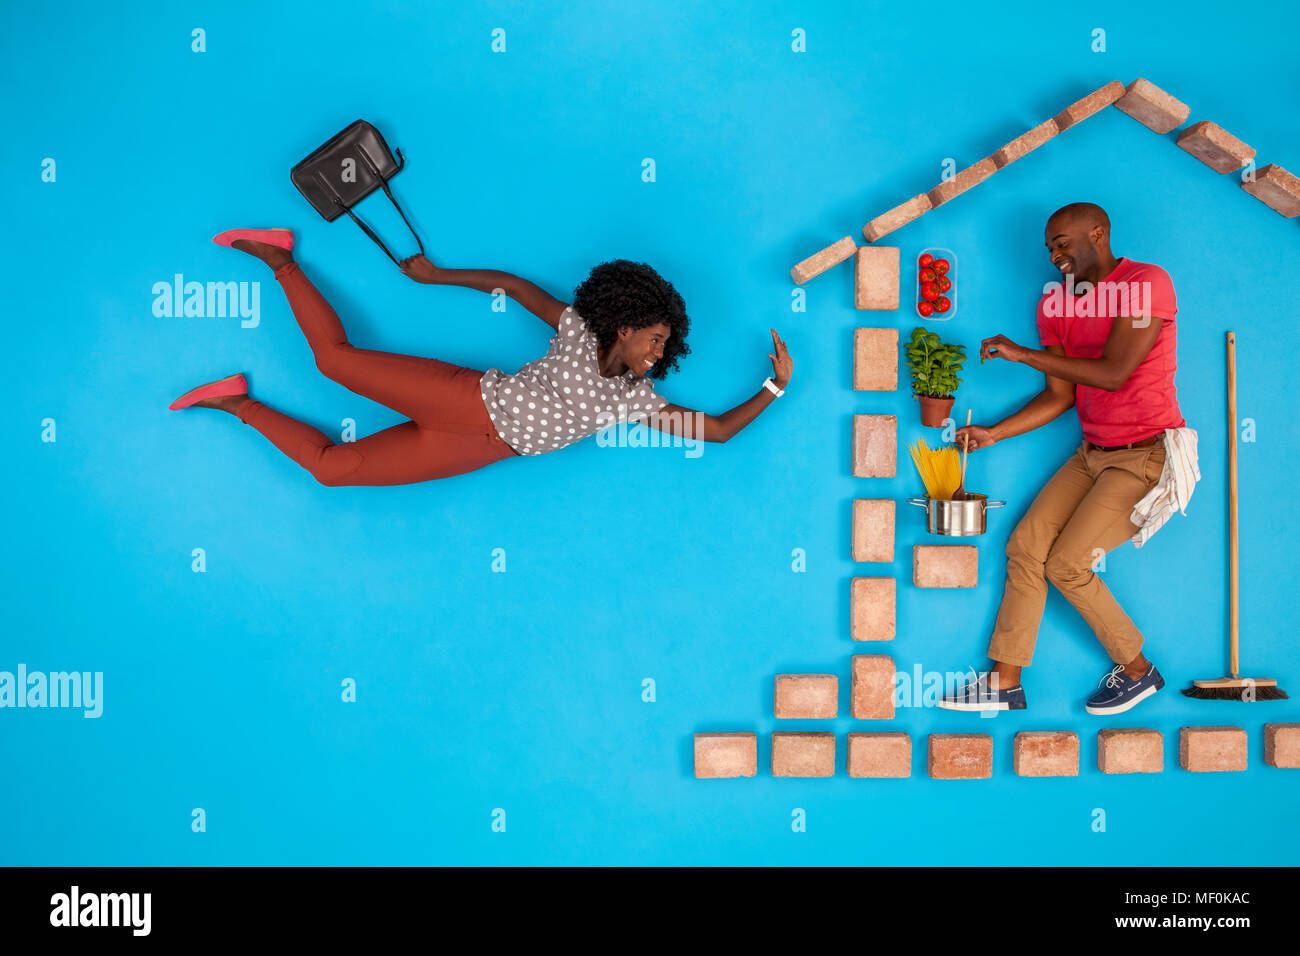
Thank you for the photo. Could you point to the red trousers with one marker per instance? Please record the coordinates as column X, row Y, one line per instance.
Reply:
column 449, row 431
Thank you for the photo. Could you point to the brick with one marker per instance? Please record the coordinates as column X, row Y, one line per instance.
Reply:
column 960, row 756
column 1277, row 189
column 1130, row 750
column 875, row 446
column 873, row 529
column 884, row 754
column 875, row 284
column 726, row 755
column 1281, row 745
column 897, row 218
column 871, row 609
column 872, row 696
column 1153, row 107
column 1024, row 144
column 875, row 360
column 969, row 177
column 1212, row 749
column 807, row 695
column 819, row 262
column 1090, row 105
column 803, row 755
column 1046, row 753
column 1215, row 147
column 945, row 565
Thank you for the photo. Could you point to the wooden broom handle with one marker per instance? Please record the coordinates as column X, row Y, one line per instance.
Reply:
column 1232, row 503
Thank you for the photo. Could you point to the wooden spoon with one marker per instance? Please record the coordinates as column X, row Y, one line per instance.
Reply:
column 960, row 493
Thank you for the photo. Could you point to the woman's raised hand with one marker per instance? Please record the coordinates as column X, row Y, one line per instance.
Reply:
column 420, row 269
column 781, row 364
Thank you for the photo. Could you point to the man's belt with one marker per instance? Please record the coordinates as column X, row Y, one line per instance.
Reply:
column 1133, row 444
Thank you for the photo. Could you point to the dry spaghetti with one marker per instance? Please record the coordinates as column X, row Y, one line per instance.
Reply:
column 940, row 468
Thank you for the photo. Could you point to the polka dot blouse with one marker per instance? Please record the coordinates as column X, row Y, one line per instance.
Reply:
column 559, row 398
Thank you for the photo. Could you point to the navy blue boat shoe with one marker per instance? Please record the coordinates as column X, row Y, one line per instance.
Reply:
column 1117, row 692
column 978, row 695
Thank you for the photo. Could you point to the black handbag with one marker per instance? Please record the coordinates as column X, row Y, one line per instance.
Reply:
column 346, row 170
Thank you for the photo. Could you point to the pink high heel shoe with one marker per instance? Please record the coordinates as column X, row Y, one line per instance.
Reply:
column 230, row 385
column 275, row 236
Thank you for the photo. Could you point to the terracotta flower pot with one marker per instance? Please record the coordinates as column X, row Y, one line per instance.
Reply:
column 935, row 410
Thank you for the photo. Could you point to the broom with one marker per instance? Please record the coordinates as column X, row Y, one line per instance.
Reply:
column 1235, row 687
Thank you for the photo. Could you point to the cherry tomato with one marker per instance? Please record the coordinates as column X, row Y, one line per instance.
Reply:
column 928, row 292
column 925, row 309
column 940, row 266
column 943, row 283
column 942, row 304
column 925, row 260
column 928, row 275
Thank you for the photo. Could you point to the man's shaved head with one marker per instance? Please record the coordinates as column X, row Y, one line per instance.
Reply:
column 1085, row 214
column 1078, row 240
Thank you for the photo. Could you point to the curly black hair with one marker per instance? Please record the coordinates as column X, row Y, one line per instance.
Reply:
column 621, row 293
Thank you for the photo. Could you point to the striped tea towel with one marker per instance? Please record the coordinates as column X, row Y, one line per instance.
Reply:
column 1174, row 489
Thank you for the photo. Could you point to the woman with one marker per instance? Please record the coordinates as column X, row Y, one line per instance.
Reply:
column 626, row 326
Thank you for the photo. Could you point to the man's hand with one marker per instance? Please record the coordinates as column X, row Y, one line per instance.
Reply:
column 782, row 366
column 999, row 346
column 978, row 435
column 420, row 269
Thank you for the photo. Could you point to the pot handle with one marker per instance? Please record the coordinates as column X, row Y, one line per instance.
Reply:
column 995, row 504
column 923, row 502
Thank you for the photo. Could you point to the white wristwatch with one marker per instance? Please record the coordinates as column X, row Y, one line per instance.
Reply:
column 771, row 387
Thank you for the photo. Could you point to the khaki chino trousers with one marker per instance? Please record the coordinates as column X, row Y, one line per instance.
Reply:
column 1081, row 514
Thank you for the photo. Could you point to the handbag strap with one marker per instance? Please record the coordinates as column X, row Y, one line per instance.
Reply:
column 371, row 233
column 388, row 192
column 401, row 161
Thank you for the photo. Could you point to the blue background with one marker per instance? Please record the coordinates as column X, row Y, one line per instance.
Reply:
column 522, row 690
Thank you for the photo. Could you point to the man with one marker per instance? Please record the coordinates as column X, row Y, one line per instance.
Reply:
column 1108, row 340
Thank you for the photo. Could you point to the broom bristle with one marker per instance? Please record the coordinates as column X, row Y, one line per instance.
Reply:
column 1235, row 693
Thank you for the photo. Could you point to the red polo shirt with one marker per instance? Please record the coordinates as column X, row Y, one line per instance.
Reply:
column 1146, row 404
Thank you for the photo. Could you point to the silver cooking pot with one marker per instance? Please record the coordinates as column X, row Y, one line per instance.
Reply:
column 962, row 519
